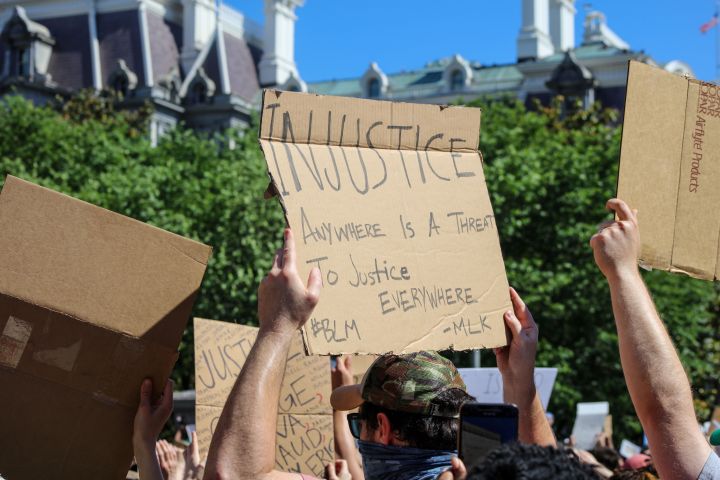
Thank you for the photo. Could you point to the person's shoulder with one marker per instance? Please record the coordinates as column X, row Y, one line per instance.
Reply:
column 711, row 469
column 307, row 477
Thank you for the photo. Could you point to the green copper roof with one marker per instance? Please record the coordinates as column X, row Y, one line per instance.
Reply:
column 423, row 81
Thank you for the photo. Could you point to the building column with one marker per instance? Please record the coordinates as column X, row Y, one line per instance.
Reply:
column 278, row 61
column 94, row 46
column 534, row 41
column 562, row 24
column 145, row 39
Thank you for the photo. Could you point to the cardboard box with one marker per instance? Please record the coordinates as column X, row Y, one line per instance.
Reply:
column 91, row 302
column 304, row 441
column 389, row 201
column 670, row 169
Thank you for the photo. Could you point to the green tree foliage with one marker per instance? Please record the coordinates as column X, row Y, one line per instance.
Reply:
column 549, row 177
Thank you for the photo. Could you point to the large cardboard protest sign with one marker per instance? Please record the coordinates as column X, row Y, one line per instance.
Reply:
column 389, row 201
column 91, row 303
column 670, row 169
column 485, row 384
column 304, row 441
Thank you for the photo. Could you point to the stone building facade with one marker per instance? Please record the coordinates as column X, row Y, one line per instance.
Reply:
column 197, row 61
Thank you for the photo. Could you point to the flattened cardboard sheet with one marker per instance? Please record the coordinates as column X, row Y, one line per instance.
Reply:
column 304, row 441
column 389, row 201
column 670, row 169
column 91, row 303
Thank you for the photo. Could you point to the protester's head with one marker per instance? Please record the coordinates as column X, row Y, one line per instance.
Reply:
column 408, row 400
column 607, row 456
column 644, row 474
column 515, row 461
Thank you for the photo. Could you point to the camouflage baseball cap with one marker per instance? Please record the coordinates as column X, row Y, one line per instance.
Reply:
column 406, row 383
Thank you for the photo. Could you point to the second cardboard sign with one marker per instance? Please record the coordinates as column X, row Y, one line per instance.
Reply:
column 304, row 440
column 670, row 169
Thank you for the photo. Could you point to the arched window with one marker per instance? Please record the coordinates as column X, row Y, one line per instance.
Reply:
column 121, row 85
column 373, row 88
column 201, row 89
column 28, row 46
column 122, row 80
column 457, row 80
column 22, row 62
column 199, row 93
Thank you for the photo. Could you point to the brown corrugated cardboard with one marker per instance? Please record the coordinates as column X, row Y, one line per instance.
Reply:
column 389, row 201
column 91, row 302
column 670, row 169
column 304, row 441
column 360, row 365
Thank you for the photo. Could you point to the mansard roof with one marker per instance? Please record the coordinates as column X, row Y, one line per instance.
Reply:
column 238, row 63
column 428, row 80
column 119, row 36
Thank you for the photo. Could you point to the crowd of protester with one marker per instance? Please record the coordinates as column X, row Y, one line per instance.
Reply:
column 406, row 425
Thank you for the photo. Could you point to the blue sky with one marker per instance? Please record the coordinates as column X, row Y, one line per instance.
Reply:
column 339, row 38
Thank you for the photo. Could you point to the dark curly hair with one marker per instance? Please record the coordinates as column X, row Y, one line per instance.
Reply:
column 609, row 457
column 422, row 431
column 515, row 461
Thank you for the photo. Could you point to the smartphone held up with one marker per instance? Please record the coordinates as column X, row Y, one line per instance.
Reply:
column 483, row 428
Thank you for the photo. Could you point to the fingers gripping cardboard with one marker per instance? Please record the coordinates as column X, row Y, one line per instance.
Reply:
column 389, row 201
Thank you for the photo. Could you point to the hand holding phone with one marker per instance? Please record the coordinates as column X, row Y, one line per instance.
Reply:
column 483, row 428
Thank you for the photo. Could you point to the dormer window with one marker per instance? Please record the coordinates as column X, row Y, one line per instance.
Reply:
column 30, row 46
column 458, row 74
column 171, row 85
column 120, row 85
column 457, row 81
column 199, row 93
column 22, row 62
column 201, row 89
column 373, row 88
column 374, row 83
column 122, row 80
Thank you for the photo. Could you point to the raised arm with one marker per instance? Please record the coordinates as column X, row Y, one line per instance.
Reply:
column 149, row 421
column 516, row 362
column 345, row 448
column 658, row 385
column 243, row 445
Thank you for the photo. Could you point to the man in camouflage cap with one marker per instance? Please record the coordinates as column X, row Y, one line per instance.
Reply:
column 408, row 415
column 411, row 383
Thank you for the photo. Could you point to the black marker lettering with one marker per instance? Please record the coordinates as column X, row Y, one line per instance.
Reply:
column 455, row 156
column 437, row 136
column 332, row 156
column 372, row 147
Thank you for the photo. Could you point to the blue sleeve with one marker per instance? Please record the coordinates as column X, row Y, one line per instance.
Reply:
column 711, row 470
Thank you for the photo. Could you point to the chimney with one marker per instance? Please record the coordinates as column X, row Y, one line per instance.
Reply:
column 562, row 24
column 199, row 18
column 533, row 41
column 278, row 61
